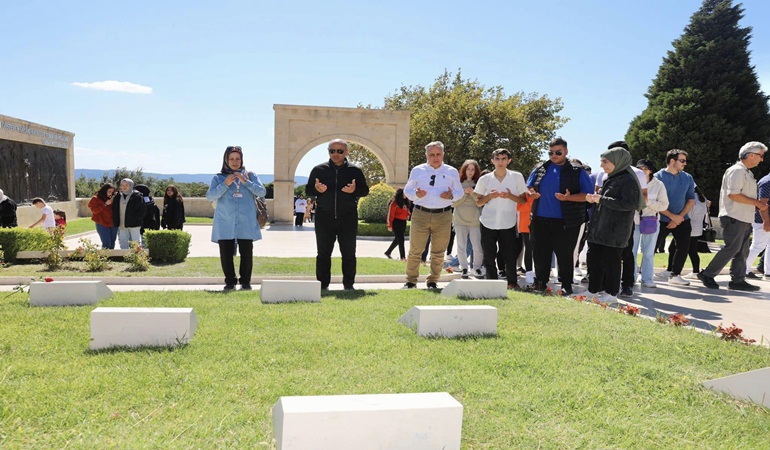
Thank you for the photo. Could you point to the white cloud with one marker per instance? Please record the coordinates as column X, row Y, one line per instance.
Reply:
column 117, row 86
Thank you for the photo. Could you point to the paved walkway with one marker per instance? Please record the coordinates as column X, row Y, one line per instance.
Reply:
column 705, row 308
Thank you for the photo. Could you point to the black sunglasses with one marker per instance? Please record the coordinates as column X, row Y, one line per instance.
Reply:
column 234, row 148
column 557, row 153
column 338, row 150
column 432, row 180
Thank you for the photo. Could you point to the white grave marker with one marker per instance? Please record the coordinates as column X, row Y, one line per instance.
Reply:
column 67, row 293
column 427, row 421
column 285, row 291
column 753, row 386
column 476, row 289
column 140, row 327
column 451, row 321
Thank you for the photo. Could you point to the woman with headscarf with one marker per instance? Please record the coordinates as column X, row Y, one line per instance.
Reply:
column 612, row 223
column 173, row 209
column 7, row 212
column 235, row 216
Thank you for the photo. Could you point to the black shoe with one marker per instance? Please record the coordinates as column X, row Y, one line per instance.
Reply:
column 229, row 287
column 539, row 286
column 708, row 281
column 752, row 275
column 521, row 270
column 465, row 273
column 409, row 286
column 565, row 291
column 387, row 255
column 431, row 286
column 626, row 292
column 501, row 274
column 349, row 288
column 246, row 287
column 584, row 280
column 742, row 286
column 324, row 288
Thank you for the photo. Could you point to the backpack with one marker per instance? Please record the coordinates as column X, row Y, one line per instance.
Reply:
column 262, row 216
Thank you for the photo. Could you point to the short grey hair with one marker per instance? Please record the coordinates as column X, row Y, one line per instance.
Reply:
column 438, row 144
column 751, row 147
column 339, row 141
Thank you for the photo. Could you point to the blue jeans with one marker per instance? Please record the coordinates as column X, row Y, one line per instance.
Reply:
column 647, row 243
column 128, row 235
column 107, row 235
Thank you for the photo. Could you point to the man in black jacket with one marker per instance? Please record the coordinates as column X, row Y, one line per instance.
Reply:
column 337, row 185
column 128, row 213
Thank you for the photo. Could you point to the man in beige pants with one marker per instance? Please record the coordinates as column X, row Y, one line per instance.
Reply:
column 432, row 187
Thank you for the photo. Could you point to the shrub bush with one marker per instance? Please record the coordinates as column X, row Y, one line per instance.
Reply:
column 168, row 245
column 14, row 240
column 137, row 258
column 374, row 207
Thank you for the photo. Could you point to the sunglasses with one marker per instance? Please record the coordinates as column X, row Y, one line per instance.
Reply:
column 234, row 148
column 683, row 161
column 432, row 180
column 557, row 153
column 339, row 151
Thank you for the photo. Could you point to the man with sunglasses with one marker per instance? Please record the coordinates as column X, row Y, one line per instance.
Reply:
column 337, row 186
column 737, row 202
column 680, row 189
column 431, row 187
column 559, row 190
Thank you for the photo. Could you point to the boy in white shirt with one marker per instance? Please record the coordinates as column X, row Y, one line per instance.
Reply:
column 47, row 219
column 499, row 192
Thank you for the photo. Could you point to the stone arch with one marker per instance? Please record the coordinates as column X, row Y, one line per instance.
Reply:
column 298, row 129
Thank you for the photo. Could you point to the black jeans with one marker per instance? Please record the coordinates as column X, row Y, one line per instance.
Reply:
column 329, row 229
column 527, row 248
column 399, row 228
column 226, row 258
column 549, row 236
column 490, row 239
column 692, row 253
column 682, row 237
column 298, row 219
column 628, row 276
column 604, row 267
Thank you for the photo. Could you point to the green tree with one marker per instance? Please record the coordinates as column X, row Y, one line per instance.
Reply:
column 706, row 99
column 472, row 121
column 371, row 166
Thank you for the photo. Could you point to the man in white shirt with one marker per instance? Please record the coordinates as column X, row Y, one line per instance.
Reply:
column 737, row 201
column 300, row 208
column 432, row 186
column 499, row 192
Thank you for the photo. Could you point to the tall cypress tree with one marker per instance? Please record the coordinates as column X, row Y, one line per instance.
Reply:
column 706, row 99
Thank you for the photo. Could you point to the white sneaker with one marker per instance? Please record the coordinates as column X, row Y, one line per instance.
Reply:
column 766, row 277
column 678, row 280
column 480, row 273
column 664, row 275
column 650, row 284
column 691, row 276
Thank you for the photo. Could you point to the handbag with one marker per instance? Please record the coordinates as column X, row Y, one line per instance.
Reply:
column 709, row 233
column 648, row 224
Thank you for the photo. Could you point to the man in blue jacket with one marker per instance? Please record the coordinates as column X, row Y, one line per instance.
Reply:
column 337, row 186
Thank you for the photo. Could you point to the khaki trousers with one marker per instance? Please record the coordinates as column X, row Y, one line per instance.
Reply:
column 437, row 227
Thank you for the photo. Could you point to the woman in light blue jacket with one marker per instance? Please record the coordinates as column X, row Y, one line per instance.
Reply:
column 235, row 216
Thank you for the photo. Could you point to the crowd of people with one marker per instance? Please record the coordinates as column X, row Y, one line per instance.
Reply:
column 504, row 224
column 501, row 223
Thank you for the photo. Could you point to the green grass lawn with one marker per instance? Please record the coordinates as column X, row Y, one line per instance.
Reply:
column 81, row 225
column 560, row 374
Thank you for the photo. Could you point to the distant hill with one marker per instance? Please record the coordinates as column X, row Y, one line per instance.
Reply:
column 178, row 177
